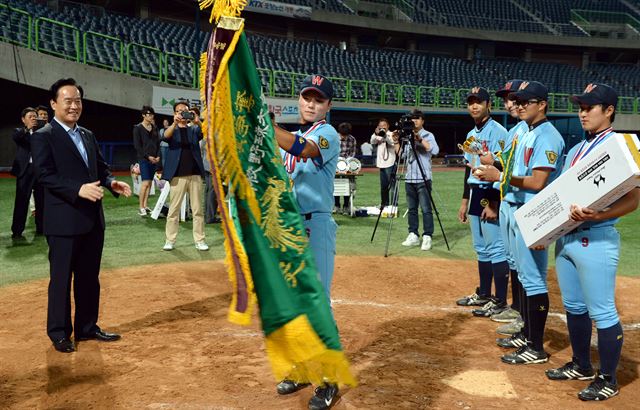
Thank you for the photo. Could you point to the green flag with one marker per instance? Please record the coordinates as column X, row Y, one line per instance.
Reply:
column 266, row 245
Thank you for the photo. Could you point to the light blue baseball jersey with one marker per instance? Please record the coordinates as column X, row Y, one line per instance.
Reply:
column 540, row 147
column 584, row 146
column 313, row 177
column 517, row 131
column 493, row 138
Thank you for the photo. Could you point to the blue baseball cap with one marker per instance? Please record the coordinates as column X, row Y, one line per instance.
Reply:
column 509, row 87
column 318, row 83
column 596, row 93
column 530, row 89
column 480, row 93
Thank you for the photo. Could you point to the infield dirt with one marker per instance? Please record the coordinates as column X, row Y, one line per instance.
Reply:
column 409, row 345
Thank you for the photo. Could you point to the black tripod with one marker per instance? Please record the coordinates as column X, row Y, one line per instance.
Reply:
column 400, row 168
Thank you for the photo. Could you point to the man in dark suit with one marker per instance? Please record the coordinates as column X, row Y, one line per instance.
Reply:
column 72, row 171
column 22, row 169
column 184, row 170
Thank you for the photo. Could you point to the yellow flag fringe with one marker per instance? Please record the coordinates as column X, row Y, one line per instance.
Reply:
column 296, row 353
column 219, row 8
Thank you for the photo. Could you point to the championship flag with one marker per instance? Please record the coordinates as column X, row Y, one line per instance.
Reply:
column 267, row 251
column 507, row 159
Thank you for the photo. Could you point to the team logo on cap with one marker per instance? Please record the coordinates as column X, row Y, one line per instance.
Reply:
column 317, row 80
column 590, row 88
column 475, row 90
column 524, row 85
column 508, row 85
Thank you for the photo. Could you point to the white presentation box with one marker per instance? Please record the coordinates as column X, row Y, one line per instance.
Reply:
column 607, row 173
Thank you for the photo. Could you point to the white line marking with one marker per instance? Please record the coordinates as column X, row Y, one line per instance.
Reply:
column 430, row 308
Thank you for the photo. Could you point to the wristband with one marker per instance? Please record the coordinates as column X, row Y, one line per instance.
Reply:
column 298, row 146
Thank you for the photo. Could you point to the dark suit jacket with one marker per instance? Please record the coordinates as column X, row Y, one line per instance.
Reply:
column 21, row 137
column 61, row 171
column 173, row 153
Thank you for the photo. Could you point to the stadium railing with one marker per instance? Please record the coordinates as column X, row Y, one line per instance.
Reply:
column 14, row 30
column 180, row 69
column 114, row 42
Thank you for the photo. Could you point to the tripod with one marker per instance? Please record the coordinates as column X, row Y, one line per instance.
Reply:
column 400, row 168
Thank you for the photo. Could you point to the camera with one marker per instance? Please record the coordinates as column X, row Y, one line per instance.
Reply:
column 187, row 115
column 382, row 132
column 405, row 127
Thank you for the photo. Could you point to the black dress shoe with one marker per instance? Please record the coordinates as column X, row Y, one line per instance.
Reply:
column 64, row 345
column 101, row 336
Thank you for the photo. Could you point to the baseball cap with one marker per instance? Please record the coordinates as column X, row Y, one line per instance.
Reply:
column 318, row 83
column 509, row 87
column 596, row 93
column 530, row 89
column 480, row 93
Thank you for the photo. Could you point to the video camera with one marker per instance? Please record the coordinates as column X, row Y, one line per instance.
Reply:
column 405, row 126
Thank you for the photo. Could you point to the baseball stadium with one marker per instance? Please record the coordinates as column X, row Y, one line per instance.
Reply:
column 301, row 141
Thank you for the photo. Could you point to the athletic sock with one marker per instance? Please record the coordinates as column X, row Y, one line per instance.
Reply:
column 538, row 310
column 524, row 313
column 580, row 335
column 609, row 347
column 486, row 273
column 515, row 291
column 501, row 279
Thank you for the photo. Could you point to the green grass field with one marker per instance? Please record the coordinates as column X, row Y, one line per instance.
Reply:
column 131, row 240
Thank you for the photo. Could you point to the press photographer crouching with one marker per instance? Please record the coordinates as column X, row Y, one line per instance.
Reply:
column 424, row 144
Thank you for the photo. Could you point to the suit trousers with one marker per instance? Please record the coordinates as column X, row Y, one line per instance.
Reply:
column 210, row 200
column 25, row 184
column 191, row 184
column 77, row 255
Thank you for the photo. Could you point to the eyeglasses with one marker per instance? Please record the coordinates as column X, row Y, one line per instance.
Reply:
column 526, row 103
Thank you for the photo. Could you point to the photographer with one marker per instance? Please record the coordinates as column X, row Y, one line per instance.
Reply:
column 347, row 150
column 415, row 185
column 185, row 170
column 382, row 140
column 147, row 145
column 23, row 170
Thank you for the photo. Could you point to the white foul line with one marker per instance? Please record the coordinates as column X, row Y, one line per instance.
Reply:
column 429, row 308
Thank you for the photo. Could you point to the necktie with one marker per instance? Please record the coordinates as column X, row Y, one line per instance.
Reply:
column 77, row 139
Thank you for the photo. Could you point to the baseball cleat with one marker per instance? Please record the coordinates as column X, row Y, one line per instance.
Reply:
column 490, row 308
column 473, row 300
column 289, row 386
column 570, row 371
column 525, row 355
column 516, row 340
column 511, row 328
column 599, row 389
column 323, row 396
column 506, row 316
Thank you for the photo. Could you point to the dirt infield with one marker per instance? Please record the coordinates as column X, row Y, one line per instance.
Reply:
column 409, row 345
